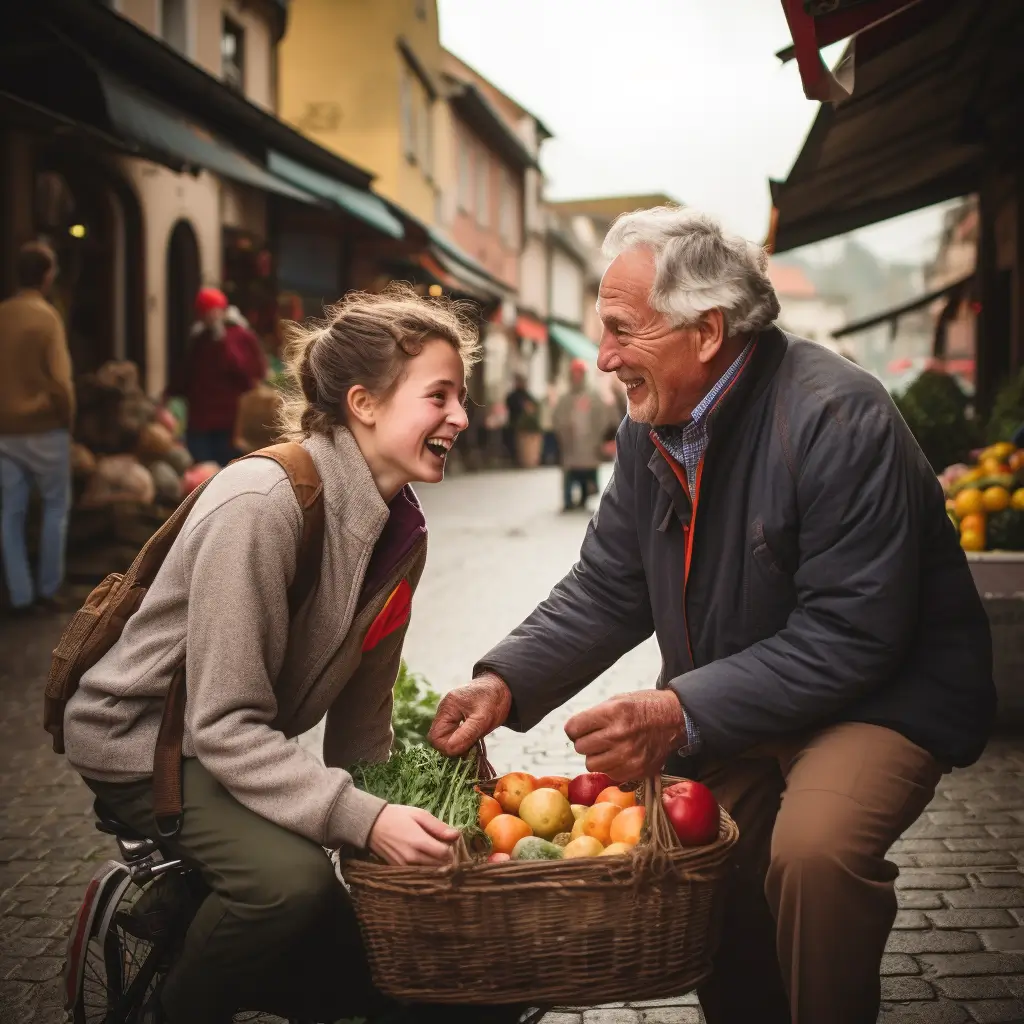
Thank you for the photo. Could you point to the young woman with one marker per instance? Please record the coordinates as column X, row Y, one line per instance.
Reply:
column 382, row 386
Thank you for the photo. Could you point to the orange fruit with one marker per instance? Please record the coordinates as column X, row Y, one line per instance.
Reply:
column 995, row 499
column 511, row 789
column 597, row 822
column 971, row 540
column 967, row 501
column 626, row 826
column 1016, row 460
column 559, row 782
column 1017, row 499
column 504, row 831
column 993, row 466
column 975, row 522
column 489, row 810
column 619, row 797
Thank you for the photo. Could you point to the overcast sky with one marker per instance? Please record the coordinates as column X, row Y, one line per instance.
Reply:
column 683, row 97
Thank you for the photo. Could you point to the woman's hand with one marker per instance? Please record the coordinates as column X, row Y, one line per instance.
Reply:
column 410, row 835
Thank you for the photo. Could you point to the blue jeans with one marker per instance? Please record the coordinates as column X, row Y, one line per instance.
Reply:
column 45, row 460
column 211, row 446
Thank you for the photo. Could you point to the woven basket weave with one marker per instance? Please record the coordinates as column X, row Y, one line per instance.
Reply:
column 570, row 932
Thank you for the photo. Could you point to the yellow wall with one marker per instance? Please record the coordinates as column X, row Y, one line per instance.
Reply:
column 340, row 74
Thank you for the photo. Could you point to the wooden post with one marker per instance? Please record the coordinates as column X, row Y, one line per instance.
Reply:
column 985, row 372
column 1017, row 336
column 16, row 203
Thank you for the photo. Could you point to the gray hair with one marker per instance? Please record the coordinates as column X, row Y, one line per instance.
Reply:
column 697, row 267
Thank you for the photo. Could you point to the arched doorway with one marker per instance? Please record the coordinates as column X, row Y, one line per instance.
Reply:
column 182, row 285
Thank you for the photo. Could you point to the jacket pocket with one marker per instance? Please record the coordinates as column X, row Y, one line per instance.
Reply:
column 769, row 591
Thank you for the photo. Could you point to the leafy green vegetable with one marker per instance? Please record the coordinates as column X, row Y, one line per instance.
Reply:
column 1007, row 410
column 424, row 777
column 935, row 409
column 413, row 713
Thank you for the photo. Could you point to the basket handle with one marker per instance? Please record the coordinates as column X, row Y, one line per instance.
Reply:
column 662, row 834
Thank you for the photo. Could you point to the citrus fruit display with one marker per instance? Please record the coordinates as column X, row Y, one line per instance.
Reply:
column 985, row 501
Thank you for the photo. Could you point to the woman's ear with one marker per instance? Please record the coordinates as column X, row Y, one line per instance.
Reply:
column 362, row 406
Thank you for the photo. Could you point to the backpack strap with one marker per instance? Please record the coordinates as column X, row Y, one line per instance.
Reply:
column 309, row 492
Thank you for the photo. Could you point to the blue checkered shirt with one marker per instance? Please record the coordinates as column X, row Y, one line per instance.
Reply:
column 687, row 443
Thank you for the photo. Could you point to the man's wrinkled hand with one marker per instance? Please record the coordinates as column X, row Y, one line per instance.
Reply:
column 629, row 736
column 469, row 713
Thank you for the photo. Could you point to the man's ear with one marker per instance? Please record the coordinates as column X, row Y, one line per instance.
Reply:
column 362, row 406
column 712, row 335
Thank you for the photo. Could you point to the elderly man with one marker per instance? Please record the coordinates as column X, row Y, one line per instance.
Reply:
column 825, row 654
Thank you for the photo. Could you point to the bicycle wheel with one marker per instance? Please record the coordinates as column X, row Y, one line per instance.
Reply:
column 121, row 957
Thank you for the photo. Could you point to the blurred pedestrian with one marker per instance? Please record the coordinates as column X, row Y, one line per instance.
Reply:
column 37, row 405
column 518, row 403
column 581, row 422
column 225, row 360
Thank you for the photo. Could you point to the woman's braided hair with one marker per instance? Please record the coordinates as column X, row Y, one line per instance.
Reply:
column 365, row 339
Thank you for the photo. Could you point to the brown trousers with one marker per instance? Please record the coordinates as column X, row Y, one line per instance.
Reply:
column 810, row 901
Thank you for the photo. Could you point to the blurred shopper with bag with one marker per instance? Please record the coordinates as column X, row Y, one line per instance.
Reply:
column 224, row 361
column 37, row 405
column 581, row 422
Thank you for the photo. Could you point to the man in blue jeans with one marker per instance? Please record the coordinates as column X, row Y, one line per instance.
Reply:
column 37, row 404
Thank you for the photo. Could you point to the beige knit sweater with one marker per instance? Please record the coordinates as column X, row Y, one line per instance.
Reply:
column 220, row 601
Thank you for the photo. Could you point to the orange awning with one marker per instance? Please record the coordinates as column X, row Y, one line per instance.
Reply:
column 532, row 329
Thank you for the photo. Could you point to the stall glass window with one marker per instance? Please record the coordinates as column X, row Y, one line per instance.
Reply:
column 232, row 54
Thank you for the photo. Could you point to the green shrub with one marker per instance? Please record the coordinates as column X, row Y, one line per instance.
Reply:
column 1007, row 414
column 413, row 713
column 935, row 409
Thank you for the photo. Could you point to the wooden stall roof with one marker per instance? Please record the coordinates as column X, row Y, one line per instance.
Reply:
column 939, row 91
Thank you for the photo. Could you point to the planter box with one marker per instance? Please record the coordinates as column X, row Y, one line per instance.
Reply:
column 999, row 577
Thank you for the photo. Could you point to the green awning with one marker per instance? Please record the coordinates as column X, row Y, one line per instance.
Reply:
column 158, row 129
column 367, row 207
column 574, row 341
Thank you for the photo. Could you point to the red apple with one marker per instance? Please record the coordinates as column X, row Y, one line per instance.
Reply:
column 585, row 789
column 693, row 811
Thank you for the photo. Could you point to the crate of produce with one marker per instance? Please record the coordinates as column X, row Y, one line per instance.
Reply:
column 569, row 892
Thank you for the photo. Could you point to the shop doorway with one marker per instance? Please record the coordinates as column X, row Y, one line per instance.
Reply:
column 182, row 285
column 91, row 218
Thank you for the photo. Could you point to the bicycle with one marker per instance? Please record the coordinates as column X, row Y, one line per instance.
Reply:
column 129, row 928
column 128, row 931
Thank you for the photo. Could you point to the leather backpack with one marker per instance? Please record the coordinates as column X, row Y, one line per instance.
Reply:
column 98, row 624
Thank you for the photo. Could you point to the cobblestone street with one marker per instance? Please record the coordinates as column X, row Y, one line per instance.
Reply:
column 497, row 545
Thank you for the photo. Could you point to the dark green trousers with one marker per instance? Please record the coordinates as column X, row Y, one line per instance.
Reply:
column 276, row 933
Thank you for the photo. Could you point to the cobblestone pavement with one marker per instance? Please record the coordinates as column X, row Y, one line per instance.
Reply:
column 497, row 545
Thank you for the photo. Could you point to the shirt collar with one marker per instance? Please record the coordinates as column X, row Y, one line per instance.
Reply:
column 705, row 404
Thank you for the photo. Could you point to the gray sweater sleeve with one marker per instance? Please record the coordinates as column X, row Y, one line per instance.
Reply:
column 238, row 573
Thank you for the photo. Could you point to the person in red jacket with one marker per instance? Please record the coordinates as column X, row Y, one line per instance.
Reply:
column 224, row 361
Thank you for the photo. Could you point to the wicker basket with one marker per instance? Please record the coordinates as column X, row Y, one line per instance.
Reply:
column 569, row 932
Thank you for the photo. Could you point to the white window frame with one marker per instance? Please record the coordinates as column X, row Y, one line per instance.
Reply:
column 226, row 16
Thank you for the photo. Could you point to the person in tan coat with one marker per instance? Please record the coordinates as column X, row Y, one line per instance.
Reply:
column 382, row 386
column 37, row 405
